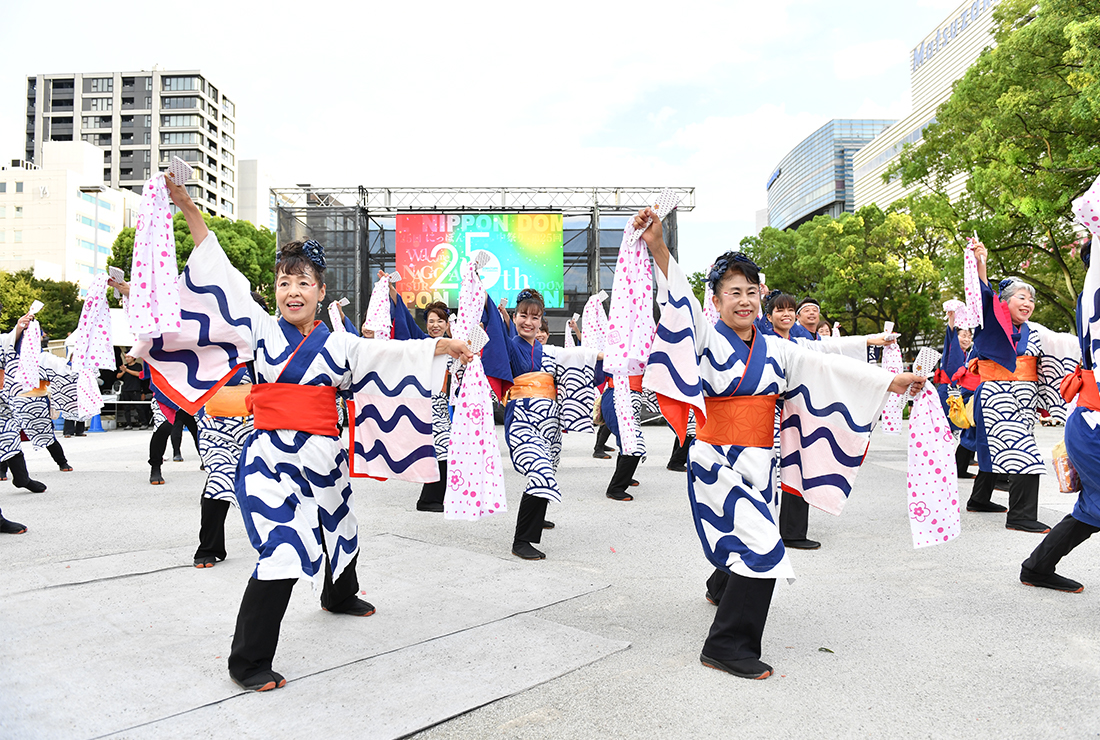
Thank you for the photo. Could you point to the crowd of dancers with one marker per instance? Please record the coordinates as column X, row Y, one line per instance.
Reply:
column 772, row 409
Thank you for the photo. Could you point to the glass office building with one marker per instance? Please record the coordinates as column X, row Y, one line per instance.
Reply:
column 816, row 177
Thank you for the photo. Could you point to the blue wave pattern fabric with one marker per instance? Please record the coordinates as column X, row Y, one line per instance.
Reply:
column 1083, row 426
column 1005, row 410
column 830, row 406
column 32, row 413
column 293, row 487
column 533, row 426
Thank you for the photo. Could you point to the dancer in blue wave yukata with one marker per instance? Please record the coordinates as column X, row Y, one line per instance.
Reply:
column 734, row 375
column 293, row 483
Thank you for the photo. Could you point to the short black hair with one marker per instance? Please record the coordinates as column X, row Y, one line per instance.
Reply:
column 293, row 260
column 779, row 300
column 729, row 264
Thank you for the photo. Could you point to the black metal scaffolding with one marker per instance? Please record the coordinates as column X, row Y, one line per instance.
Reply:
column 358, row 229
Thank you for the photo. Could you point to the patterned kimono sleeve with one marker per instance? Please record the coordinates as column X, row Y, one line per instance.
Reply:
column 575, row 377
column 391, row 385
column 217, row 335
column 683, row 334
column 829, row 410
column 62, row 380
column 1059, row 357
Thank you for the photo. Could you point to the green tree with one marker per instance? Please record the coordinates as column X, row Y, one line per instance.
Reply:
column 250, row 250
column 864, row 268
column 1023, row 124
column 17, row 293
column 698, row 283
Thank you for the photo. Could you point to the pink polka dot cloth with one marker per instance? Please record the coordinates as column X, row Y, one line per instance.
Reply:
column 1086, row 209
column 378, row 310
column 92, row 349
column 710, row 311
column 154, row 306
column 28, row 370
column 970, row 315
column 630, row 325
column 594, row 322
column 475, row 475
column 932, row 496
column 891, row 414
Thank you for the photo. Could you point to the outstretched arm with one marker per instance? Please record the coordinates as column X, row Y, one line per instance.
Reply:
column 190, row 211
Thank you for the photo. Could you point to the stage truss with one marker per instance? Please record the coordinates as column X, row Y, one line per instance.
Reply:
column 356, row 226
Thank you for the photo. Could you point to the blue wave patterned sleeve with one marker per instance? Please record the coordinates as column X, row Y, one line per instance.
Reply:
column 219, row 320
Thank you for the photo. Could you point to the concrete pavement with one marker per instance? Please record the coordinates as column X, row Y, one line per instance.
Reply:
column 107, row 630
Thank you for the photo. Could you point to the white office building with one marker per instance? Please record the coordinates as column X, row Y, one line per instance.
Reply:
column 937, row 61
column 140, row 120
column 257, row 201
column 57, row 218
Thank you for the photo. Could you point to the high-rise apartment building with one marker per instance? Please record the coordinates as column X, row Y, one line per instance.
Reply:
column 141, row 120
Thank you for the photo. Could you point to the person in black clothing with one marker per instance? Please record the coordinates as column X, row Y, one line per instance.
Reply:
column 129, row 372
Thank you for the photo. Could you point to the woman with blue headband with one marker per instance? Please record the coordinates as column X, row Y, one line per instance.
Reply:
column 293, row 483
column 1021, row 364
column 733, row 375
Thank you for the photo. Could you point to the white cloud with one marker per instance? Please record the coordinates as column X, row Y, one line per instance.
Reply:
column 869, row 59
column 899, row 108
column 659, row 118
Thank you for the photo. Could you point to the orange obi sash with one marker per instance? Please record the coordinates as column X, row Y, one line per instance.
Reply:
column 1027, row 368
column 230, row 400
column 42, row 389
column 532, row 385
column 1081, row 383
column 302, row 408
column 745, row 421
column 635, row 382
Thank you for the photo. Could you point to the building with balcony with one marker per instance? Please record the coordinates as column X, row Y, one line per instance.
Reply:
column 140, row 120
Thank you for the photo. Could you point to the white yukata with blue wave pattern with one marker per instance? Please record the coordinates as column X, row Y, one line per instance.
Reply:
column 293, row 487
column 830, row 404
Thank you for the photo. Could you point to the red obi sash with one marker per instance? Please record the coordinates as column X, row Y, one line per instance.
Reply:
column 1081, row 383
column 1027, row 368
column 302, row 408
column 635, row 383
column 745, row 421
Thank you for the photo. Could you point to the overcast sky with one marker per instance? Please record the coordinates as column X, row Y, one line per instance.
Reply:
column 703, row 94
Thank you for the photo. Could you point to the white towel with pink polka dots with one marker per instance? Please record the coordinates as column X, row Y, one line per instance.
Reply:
column 594, row 322
column 892, row 413
column 154, row 306
column 933, row 489
column 92, row 350
column 475, row 474
column 970, row 314
column 27, row 371
column 710, row 311
column 630, row 325
column 378, row 317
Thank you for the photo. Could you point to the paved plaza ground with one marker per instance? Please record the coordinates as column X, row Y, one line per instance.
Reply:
column 106, row 630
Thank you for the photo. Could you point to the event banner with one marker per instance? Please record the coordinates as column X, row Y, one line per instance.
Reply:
column 525, row 251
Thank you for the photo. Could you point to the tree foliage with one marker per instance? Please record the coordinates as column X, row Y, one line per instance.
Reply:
column 61, row 302
column 251, row 250
column 864, row 268
column 1023, row 124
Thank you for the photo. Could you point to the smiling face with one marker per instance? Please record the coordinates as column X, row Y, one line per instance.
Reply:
column 528, row 320
column 298, row 297
column 825, row 330
column 738, row 302
column 809, row 316
column 1020, row 306
column 966, row 339
column 782, row 320
column 436, row 325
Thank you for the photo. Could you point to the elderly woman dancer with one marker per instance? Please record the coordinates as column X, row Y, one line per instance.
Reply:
column 293, row 483
column 1083, row 446
column 735, row 374
column 1021, row 364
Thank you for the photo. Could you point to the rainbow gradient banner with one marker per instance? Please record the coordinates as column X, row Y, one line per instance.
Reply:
column 525, row 251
